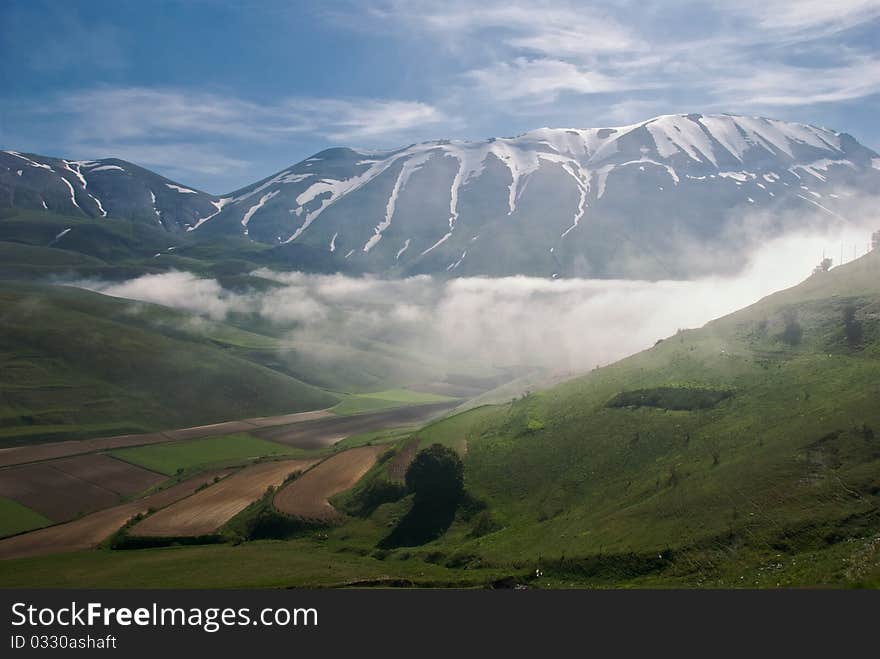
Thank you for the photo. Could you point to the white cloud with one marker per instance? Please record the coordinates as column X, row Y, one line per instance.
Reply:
column 541, row 80
column 784, row 85
column 175, row 159
column 734, row 56
column 540, row 26
column 808, row 17
column 359, row 119
column 129, row 113
column 185, row 132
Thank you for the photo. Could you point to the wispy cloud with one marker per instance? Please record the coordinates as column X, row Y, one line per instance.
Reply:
column 555, row 28
column 185, row 132
column 784, row 85
column 750, row 54
column 543, row 80
column 175, row 159
column 126, row 113
column 358, row 120
column 809, row 18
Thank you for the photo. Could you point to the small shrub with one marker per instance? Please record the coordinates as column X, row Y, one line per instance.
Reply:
column 484, row 525
column 375, row 493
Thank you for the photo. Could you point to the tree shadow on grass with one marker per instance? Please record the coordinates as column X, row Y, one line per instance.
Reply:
column 426, row 521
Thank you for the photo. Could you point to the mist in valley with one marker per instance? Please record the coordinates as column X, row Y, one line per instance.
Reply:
column 558, row 326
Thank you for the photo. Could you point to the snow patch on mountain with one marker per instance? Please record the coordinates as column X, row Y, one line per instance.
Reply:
column 32, row 163
column 409, row 168
column 106, row 168
column 180, row 188
column 675, row 133
column 218, row 205
column 253, row 209
column 71, row 190
column 84, row 183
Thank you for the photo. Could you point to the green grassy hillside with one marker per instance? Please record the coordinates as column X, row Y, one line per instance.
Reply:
column 75, row 363
column 750, row 442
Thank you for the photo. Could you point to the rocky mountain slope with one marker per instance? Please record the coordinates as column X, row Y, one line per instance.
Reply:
column 669, row 197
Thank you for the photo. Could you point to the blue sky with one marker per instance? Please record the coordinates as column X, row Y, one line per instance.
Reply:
column 220, row 93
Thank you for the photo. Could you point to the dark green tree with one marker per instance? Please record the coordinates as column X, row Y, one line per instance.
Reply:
column 436, row 474
column 436, row 479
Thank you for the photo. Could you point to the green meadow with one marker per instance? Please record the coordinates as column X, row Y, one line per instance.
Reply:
column 16, row 518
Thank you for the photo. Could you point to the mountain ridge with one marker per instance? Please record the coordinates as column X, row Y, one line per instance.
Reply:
column 616, row 201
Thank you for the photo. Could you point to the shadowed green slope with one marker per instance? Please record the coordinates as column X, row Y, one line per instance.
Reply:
column 76, row 363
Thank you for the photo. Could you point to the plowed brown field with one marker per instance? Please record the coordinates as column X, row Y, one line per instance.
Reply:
column 89, row 531
column 205, row 512
column 62, row 489
column 308, row 495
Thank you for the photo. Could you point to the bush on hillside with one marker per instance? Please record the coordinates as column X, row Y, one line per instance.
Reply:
column 670, row 398
column 436, row 474
column 436, row 479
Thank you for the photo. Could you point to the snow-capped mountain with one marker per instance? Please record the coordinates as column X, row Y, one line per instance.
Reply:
column 99, row 188
column 654, row 199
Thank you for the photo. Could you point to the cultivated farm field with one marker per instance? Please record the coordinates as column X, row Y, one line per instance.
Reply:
column 308, row 496
column 89, row 531
column 62, row 489
column 208, row 510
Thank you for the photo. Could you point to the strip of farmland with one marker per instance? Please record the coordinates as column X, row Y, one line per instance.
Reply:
column 208, row 510
column 89, row 531
column 308, row 496
column 63, row 489
column 25, row 454
column 327, row 431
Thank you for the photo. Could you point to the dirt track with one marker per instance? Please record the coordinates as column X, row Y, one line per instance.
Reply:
column 308, row 495
column 89, row 531
column 206, row 511
column 327, row 431
column 40, row 452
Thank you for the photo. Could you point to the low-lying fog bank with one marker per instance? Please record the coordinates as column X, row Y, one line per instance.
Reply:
column 562, row 325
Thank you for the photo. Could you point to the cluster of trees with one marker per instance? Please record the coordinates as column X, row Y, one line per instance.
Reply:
column 436, row 479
